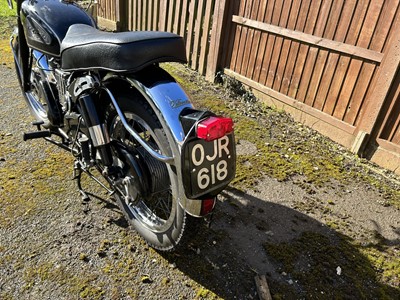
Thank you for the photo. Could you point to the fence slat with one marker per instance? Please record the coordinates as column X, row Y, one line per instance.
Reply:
column 237, row 37
column 129, row 14
column 253, row 66
column 243, row 37
column 313, row 52
column 294, row 47
column 322, row 55
column 171, row 10
column 231, row 28
column 107, row 14
column 259, row 70
column 282, row 61
column 206, row 35
column 155, row 14
column 163, row 13
column 276, row 14
column 133, row 15
column 355, row 66
column 197, row 33
column 330, row 66
column 249, row 39
column 189, row 39
column 183, row 26
column 343, row 62
column 218, row 28
column 303, row 49
column 178, row 13
column 384, row 23
column 284, row 19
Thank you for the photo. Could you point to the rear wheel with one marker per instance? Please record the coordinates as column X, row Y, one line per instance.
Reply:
column 149, row 193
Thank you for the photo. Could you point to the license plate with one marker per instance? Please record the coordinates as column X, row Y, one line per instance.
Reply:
column 209, row 166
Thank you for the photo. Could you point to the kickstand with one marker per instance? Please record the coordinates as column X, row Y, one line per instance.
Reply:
column 77, row 176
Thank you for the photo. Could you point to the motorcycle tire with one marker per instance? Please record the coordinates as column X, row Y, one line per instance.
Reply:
column 158, row 216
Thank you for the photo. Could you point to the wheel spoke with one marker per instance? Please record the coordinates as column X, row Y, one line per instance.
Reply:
column 163, row 205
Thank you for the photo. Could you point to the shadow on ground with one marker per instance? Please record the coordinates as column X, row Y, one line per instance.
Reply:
column 301, row 257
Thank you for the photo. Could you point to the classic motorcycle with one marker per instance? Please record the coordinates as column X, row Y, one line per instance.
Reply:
column 104, row 98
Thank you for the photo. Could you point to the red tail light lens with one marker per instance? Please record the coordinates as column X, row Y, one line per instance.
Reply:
column 214, row 128
column 207, row 206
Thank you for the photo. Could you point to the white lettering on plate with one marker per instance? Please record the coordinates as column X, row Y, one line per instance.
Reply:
column 215, row 172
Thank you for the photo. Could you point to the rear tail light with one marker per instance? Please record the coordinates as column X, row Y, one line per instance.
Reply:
column 214, row 128
column 207, row 206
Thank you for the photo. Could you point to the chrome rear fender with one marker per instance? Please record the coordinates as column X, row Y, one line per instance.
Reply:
column 167, row 99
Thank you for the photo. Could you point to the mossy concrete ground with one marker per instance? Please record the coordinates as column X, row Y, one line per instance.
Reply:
column 334, row 184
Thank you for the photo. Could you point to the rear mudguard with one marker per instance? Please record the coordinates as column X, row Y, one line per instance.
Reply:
column 168, row 100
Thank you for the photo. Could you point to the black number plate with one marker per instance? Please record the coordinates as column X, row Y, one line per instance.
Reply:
column 209, row 166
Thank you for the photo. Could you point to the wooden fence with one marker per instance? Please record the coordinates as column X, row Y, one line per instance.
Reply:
column 333, row 64
column 193, row 20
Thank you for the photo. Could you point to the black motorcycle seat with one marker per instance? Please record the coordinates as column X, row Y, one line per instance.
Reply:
column 85, row 47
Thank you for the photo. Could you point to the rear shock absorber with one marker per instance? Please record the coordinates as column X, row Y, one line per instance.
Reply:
column 97, row 130
column 84, row 142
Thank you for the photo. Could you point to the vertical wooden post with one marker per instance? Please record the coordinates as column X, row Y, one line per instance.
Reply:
column 220, row 22
column 156, row 15
column 121, row 9
column 190, row 30
column 177, row 17
column 163, row 15
column 375, row 100
column 182, row 29
column 204, row 43
column 171, row 12
column 198, row 27
column 129, row 20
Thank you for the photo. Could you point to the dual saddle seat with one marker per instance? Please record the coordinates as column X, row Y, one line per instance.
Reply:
column 85, row 47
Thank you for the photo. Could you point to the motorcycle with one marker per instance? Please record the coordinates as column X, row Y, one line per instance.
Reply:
column 103, row 97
